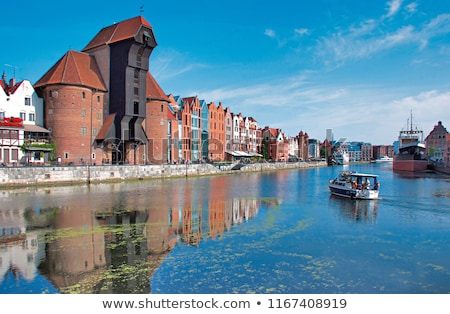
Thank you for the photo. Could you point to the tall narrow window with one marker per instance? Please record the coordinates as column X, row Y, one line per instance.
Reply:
column 27, row 101
column 136, row 76
column 136, row 107
column 83, row 95
column 139, row 56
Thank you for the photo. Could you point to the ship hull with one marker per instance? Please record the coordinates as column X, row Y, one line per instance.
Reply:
column 410, row 165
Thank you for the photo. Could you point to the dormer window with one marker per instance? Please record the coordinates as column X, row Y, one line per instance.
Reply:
column 146, row 37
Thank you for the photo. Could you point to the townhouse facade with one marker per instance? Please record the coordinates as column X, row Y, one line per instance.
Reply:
column 437, row 144
column 276, row 145
column 216, row 138
column 23, row 139
column 228, row 124
column 303, row 147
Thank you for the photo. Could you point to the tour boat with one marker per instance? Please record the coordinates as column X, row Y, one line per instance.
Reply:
column 355, row 185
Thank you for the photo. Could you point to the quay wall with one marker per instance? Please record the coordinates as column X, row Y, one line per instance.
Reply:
column 23, row 176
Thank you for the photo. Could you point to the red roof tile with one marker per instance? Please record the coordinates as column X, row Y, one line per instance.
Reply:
column 74, row 68
column 153, row 90
column 117, row 32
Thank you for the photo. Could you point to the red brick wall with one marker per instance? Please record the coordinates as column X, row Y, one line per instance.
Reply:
column 69, row 115
column 156, row 129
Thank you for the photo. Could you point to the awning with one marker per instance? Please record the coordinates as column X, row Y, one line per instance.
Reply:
column 34, row 128
column 238, row 153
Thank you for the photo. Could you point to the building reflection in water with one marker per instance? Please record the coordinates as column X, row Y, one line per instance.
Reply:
column 85, row 247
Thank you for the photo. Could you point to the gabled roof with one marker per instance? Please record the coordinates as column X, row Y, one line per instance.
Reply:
column 74, row 68
column 189, row 100
column 117, row 32
column 171, row 114
column 11, row 87
column 153, row 90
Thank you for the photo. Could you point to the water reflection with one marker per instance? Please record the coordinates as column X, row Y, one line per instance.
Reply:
column 84, row 247
column 357, row 210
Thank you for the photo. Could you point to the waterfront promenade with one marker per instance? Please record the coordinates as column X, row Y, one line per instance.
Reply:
column 86, row 174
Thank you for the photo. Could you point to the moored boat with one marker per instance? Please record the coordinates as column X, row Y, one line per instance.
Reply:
column 355, row 185
column 384, row 159
column 411, row 154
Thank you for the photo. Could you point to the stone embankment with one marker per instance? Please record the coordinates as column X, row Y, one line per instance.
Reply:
column 26, row 176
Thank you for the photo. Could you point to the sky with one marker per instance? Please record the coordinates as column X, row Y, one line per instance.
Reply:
column 360, row 68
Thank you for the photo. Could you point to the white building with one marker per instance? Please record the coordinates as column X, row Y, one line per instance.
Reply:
column 293, row 147
column 21, row 123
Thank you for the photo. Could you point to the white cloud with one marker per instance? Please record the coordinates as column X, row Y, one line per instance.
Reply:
column 393, row 7
column 411, row 7
column 270, row 33
column 169, row 63
column 372, row 36
column 301, row 31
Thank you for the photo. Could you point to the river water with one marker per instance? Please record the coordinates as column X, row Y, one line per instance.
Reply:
column 268, row 232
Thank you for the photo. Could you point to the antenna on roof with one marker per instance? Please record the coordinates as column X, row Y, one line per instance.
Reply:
column 12, row 66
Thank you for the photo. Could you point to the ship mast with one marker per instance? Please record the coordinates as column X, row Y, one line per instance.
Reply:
column 411, row 126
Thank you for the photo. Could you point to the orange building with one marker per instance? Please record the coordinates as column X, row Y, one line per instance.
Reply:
column 216, row 140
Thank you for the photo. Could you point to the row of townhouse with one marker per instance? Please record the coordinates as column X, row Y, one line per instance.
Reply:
column 101, row 105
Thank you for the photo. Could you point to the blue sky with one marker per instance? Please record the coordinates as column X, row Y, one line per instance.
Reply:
column 357, row 67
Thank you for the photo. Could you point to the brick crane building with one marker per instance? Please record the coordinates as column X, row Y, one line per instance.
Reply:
column 96, row 100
